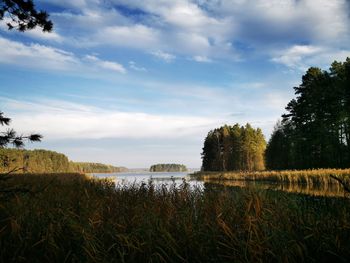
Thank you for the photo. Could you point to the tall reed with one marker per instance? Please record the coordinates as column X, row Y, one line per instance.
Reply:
column 311, row 177
column 70, row 218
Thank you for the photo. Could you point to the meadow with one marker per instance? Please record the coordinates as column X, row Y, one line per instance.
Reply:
column 74, row 218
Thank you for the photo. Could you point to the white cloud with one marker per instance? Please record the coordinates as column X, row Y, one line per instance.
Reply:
column 114, row 66
column 180, row 27
column 35, row 33
column 302, row 57
column 211, row 26
column 36, row 56
column 132, row 36
column 50, row 58
column 294, row 56
column 316, row 20
column 167, row 57
column 62, row 120
column 202, row 59
column 205, row 28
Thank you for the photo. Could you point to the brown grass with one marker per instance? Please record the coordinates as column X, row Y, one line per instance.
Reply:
column 69, row 218
column 310, row 177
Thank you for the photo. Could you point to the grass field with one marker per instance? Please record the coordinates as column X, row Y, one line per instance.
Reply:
column 72, row 218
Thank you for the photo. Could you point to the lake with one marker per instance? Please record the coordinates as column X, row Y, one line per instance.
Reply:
column 168, row 178
column 157, row 178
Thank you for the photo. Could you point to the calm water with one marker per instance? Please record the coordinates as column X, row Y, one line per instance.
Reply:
column 158, row 178
column 163, row 178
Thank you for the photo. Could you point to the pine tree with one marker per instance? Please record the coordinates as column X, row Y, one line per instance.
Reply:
column 234, row 148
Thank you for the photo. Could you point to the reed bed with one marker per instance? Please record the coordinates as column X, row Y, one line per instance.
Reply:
column 310, row 177
column 331, row 190
column 70, row 218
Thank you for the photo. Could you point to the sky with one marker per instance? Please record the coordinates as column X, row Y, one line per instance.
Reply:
column 138, row 82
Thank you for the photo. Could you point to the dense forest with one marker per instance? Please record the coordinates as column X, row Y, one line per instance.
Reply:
column 168, row 167
column 84, row 167
column 36, row 161
column 315, row 131
column 43, row 161
column 235, row 147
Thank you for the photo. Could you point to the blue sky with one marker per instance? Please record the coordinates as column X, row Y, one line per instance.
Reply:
column 138, row 82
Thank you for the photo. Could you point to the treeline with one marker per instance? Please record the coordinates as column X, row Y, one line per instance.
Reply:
column 43, row 161
column 234, row 148
column 35, row 161
column 168, row 167
column 84, row 167
column 315, row 131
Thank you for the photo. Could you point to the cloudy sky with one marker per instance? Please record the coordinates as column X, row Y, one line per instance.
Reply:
column 137, row 82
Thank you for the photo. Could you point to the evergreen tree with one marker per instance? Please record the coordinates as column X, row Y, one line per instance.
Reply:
column 314, row 132
column 168, row 167
column 234, row 148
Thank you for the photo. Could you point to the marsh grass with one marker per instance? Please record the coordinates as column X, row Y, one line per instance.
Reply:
column 330, row 190
column 72, row 218
column 310, row 177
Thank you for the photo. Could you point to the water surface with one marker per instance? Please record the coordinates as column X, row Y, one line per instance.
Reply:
column 157, row 178
column 177, row 178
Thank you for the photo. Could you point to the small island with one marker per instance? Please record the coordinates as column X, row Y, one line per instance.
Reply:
column 168, row 167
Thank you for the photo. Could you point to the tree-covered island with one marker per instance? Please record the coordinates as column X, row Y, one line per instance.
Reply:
column 168, row 167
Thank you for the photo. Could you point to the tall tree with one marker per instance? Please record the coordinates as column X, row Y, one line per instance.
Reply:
column 234, row 148
column 277, row 151
column 314, row 132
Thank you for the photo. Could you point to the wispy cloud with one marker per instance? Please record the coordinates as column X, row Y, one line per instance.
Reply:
column 206, row 28
column 62, row 120
column 202, row 59
column 131, row 36
column 36, row 56
column 134, row 66
column 301, row 57
column 110, row 65
column 167, row 57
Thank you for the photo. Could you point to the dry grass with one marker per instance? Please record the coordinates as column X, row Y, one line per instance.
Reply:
column 310, row 177
column 69, row 218
column 330, row 190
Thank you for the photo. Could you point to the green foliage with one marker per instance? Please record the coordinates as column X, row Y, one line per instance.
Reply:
column 85, row 167
column 43, row 161
column 315, row 131
column 35, row 161
column 168, row 167
column 69, row 218
column 234, row 148
column 23, row 15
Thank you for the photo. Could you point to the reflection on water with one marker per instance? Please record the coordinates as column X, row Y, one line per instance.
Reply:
column 157, row 179
column 330, row 190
